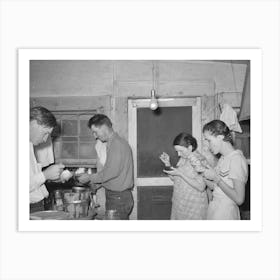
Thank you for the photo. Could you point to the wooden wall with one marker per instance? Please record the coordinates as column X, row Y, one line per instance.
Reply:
column 122, row 79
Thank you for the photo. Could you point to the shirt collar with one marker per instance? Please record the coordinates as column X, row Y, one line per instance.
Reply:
column 114, row 134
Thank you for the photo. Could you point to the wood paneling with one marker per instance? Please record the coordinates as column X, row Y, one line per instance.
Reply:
column 99, row 104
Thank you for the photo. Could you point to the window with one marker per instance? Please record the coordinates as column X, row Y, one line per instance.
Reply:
column 73, row 140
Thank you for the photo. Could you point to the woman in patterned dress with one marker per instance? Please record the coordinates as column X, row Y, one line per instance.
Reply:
column 229, row 177
column 189, row 200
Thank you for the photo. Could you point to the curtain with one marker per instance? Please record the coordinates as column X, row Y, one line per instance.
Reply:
column 245, row 103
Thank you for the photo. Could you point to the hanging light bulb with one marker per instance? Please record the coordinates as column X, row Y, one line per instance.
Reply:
column 153, row 102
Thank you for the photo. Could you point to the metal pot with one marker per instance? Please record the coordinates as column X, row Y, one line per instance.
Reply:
column 77, row 189
column 77, row 202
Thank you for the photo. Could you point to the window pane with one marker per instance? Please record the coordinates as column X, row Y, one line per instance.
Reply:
column 84, row 130
column 57, row 129
column 74, row 140
column 87, row 139
column 57, row 149
column 69, row 128
column 69, row 139
column 69, row 150
column 87, row 151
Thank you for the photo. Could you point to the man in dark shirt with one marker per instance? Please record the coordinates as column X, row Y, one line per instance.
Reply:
column 117, row 175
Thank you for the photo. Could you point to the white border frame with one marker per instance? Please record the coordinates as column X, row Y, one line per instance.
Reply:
column 25, row 55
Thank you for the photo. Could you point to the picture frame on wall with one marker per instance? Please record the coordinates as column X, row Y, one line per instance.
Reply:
column 45, row 82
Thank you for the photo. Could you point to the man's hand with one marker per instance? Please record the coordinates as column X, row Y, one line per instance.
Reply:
column 94, row 187
column 53, row 172
column 83, row 178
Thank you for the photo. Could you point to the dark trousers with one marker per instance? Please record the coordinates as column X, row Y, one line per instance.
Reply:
column 38, row 206
column 120, row 201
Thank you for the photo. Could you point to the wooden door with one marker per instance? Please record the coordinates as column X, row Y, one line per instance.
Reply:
column 150, row 134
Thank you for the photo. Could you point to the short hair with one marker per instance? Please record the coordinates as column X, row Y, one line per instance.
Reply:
column 217, row 127
column 43, row 117
column 99, row 120
column 185, row 140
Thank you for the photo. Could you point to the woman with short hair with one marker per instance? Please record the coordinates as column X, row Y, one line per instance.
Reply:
column 189, row 200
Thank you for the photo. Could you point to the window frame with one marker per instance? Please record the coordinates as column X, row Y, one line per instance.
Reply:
column 58, row 139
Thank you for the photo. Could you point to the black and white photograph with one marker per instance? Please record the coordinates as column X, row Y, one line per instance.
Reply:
column 141, row 139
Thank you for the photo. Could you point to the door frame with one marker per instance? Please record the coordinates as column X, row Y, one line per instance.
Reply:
column 133, row 104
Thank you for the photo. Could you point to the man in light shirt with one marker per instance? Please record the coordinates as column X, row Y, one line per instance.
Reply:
column 42, row 122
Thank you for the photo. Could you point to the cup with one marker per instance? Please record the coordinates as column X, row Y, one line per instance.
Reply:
column 65, row 175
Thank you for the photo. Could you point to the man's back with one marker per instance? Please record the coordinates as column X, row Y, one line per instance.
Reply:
column 120, row 155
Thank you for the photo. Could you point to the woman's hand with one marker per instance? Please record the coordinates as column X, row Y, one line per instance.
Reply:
column 210, row 184
column 196, row 182
column 171, row 178
column 173, row 172
column 209, row 194
column 210, row 174
column 164, row 157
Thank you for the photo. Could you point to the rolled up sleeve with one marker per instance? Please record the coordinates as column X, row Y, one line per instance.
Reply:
column 36, row 181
